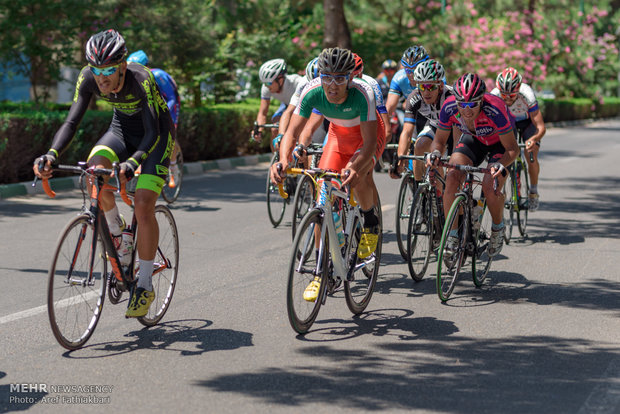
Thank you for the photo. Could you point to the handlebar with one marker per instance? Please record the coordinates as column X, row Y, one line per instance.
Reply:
column 312, row 173
column 255, row 130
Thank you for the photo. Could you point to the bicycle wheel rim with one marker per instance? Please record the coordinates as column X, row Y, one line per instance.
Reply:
column 406, row 194
column 275, row 204
column 166, row 266
column 359, row 289
column 419, row 234
column 304, row 264
column 481, row 261
column 170, row 194
column 304, row 200
column 448, row 274
column 75, row 306
column 524, row 192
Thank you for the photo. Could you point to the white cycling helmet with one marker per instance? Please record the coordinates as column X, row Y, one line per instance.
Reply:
column 271, row 69
column 429, row 71
column 312, row 69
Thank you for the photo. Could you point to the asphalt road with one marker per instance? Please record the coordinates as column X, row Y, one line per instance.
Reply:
column 541, row 336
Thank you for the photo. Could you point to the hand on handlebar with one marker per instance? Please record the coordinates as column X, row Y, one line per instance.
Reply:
column 277, row 172
column 43, row 166
column 432, row 159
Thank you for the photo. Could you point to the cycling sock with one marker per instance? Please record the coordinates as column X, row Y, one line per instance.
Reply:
column 497, row 226
column 145, row 274
column 453, row 233
column 533, row 189
column 115, row 222
column 370, row 218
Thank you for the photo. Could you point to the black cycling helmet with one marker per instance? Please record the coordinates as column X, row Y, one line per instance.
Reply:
column 106, row 48
column 336, row 60
column 413, row 56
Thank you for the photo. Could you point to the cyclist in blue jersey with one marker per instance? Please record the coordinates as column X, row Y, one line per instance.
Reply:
column 402, row 83
column 170, row 92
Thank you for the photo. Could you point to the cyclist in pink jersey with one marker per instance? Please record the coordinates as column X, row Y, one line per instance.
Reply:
column 487, row 129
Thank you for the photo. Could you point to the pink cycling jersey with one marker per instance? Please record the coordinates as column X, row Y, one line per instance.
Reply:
column 494, row 119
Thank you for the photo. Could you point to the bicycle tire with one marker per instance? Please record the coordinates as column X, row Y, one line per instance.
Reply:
column 303, row 202
column 509, row 204
column 166, row 259
column 79, row 300
column 523, row 181
column 420, row 234
column 304, row 265
column 275, row 204
column 404, row 201
column 170, row 194
column 481, row 261
column 448, row 274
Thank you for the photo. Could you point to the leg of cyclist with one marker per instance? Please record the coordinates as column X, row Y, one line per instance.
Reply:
column 531, row 158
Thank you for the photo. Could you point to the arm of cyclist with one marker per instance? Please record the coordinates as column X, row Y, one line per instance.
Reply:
column 358, row 166
column 278, row 169
column 261, row 119
column 404, row 143
column 305, row 137
column 438, row 146
column 511, row 150
column 538, row 122
column 285, row 119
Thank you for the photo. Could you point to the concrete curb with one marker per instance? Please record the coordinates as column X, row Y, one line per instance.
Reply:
column 190, row 168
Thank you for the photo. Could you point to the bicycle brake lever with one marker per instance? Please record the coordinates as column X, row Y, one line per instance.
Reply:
column 117, row 173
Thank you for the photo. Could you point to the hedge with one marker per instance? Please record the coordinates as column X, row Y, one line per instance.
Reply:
column 215, row 132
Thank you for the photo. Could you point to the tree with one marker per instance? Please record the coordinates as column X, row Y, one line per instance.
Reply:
column 336, row 27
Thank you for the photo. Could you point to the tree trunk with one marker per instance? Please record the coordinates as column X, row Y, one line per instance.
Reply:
column 336, row 27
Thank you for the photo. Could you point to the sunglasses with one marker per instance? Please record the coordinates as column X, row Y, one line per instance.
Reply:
column 509, row 95
column 428, row 86
column 409, row 71
column 105, row 72
column 337, row 79
column 273, row 81
column 470, row 105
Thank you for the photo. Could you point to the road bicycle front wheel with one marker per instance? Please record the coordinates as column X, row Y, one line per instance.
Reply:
column 481, row 261
column 275, row 203
column 172, row 186
column 509, row 204
column 308, row 260
column 362, row 276
column 420, row 234
column 451, row 257
column 403, row 206
column 165, row 266
column 523, row 181
column 304, row 200
column 77, row 283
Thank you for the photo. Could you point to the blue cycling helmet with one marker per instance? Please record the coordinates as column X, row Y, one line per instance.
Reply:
column 139, row 57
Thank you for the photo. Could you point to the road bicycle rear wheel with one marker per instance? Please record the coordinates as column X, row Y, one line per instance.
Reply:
column 451, row 260
column 307, row 261
column 166, row 266
column 420, row 234
column 403, row 206
column 362, row 277
column 481, row 261
column 523, row 182
column 275, row 203
column 304, row 200
column 172, row 186
column 77, row 283
column 509, row 204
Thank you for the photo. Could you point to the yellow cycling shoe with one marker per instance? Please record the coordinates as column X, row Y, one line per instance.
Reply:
column 312, row 290
column 139, row 303
column 368, row 242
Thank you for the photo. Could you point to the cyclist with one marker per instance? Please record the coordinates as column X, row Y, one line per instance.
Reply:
column 276, row 84
column 381, row 109
column 422, row 109
column 355, row 135
column 487, row 129
column 384, row 78
column 523, row 106
column 170, row 92
column 141, row 134
column 402, row 83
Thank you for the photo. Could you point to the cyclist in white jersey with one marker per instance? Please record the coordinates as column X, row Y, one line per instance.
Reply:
column 523, row 106
column 276, row 84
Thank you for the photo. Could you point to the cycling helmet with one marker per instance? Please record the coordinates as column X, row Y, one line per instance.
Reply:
column 389, row 64
column 312, row 69
column 336, row 60
column 509, row 81
column 413, row 56
column 469, row 88
column 271, row 69
column 139, row 57
column 429, row 71
column 359, row 66
column 105, row 48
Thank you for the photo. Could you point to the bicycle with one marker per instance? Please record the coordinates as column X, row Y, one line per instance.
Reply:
column 172, row 186
column 425, row 219
column 305, row 193
column 318, row 252
column 467, row 216
column 78, row 275
column 518, row 182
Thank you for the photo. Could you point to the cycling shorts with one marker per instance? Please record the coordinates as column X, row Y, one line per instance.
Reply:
column 154, row 169
column 477, row 152
column 527, row 129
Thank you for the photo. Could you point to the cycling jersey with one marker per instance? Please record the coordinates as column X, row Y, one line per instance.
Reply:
column 169, row 91
column 420, row 113
column 525, row 103
column 372, row 82
column 141, row 127
column 400, row 84
column 493, row 120
column 288, row 89
column 384, row 84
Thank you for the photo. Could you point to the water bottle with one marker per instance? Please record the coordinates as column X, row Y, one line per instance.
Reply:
column 126, row 247
column 339, row 230
column 476, row 212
